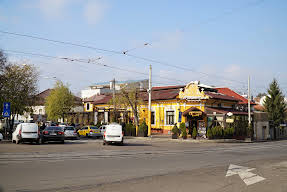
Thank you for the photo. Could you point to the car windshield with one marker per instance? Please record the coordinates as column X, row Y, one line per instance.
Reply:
column 54, row 128
column 69, row 128
column 94, row 128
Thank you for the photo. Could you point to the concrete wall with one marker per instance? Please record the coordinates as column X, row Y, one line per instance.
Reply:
column 261, row 130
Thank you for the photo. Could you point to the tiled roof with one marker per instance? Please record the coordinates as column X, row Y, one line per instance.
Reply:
column 102, row 99
column 214, row 95
column 229, row 92
column 161, row 93
column 41, row 97
column 259, row 107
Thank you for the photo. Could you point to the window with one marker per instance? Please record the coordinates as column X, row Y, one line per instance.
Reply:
column 170, row 117
column 88, row 106
column 152, row 118
column 219, row 105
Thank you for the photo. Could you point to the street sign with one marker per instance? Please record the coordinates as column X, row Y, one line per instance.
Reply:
column 244, row 173
column 6, row 109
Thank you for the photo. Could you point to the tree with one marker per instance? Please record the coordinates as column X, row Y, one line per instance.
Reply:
column 18, row 85
column 274, row 104
column 128, row 96
column 59, row 102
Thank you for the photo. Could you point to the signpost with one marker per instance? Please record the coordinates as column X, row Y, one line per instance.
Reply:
column 6, row 109
column 7, row 114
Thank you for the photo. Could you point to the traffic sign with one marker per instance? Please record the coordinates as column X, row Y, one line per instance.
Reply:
column 6, row 109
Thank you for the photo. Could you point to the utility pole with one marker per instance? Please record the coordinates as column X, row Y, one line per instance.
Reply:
column 149, row 101
column 114, row 97
column 249, row 115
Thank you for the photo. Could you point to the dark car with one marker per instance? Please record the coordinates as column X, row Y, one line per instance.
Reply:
column 53, row 133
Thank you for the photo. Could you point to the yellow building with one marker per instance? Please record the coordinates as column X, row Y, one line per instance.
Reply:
column 195, row 104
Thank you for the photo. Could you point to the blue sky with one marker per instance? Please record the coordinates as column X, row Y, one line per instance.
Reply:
column 220, row 42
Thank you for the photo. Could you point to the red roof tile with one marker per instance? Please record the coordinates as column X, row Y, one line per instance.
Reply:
column 259, row 108
column 229, row 92
column 214, row 95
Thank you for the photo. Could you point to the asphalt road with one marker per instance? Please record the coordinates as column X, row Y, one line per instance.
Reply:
column 143, row 165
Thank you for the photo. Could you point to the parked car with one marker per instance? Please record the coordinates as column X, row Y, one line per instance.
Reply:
column 62, row 124
column 70, row 132
column 103, row 129
column 53, row 133
column 113, row 134
column 1, row 137
column 89, row 131
column 26, row 132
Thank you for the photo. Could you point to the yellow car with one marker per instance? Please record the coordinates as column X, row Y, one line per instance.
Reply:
column 90, row 131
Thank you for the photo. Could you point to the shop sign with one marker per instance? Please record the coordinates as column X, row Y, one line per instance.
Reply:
column 195, row 113
column 229, row 120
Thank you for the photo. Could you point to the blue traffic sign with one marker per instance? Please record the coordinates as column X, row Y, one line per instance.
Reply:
column 179, row 116
column 6, row 109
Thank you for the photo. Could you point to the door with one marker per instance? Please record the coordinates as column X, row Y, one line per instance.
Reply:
column 263, row 132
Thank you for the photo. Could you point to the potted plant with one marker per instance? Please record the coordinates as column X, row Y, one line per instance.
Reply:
column 174, row 131
column 184, row 134
column 209, row 133
column 143, row 128
column 194, row 133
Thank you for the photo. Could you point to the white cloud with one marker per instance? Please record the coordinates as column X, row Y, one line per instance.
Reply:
column 52, row 8
column 94, row 11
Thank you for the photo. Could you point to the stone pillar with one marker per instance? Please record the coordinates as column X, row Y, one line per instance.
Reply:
column 106, row 116
column 95, row 117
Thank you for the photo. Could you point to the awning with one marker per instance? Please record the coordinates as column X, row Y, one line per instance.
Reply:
column 210, row 110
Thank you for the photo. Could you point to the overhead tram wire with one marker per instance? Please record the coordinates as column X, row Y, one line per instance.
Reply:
column 119, row 53
column 91, row 62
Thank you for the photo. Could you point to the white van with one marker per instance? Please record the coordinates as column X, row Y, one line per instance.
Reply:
column 113, row 134
column 26, row 132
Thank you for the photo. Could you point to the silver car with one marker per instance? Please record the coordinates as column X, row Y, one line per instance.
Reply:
column 70, row 132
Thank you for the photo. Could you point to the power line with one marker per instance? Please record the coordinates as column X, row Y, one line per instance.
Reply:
column 89, row 61
column 120, row 53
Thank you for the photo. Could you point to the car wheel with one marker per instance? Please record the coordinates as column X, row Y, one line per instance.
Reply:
column 63, row 141
column 104, row 143
column 87, row 135
column 38, row 141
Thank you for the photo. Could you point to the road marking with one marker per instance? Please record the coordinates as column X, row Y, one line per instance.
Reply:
column 244, row 173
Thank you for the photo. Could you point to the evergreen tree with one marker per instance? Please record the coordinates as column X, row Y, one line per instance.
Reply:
column 274, row 104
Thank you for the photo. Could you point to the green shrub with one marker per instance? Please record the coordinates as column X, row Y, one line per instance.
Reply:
column 217, row 132
column 228, row 132
column 184, row 133
column 182, row 127
column 175, row 130
column 194, row 133
column 130, row 129
column 209, row 133
column 143, row 127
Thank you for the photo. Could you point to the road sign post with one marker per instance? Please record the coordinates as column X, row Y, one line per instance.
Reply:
column 6, row 109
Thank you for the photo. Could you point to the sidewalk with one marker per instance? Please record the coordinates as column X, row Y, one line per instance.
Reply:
column 188, row 140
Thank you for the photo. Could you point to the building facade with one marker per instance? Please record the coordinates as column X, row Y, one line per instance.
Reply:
column 194, row 104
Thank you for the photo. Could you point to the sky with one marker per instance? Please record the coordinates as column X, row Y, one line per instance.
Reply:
column 218, row 43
